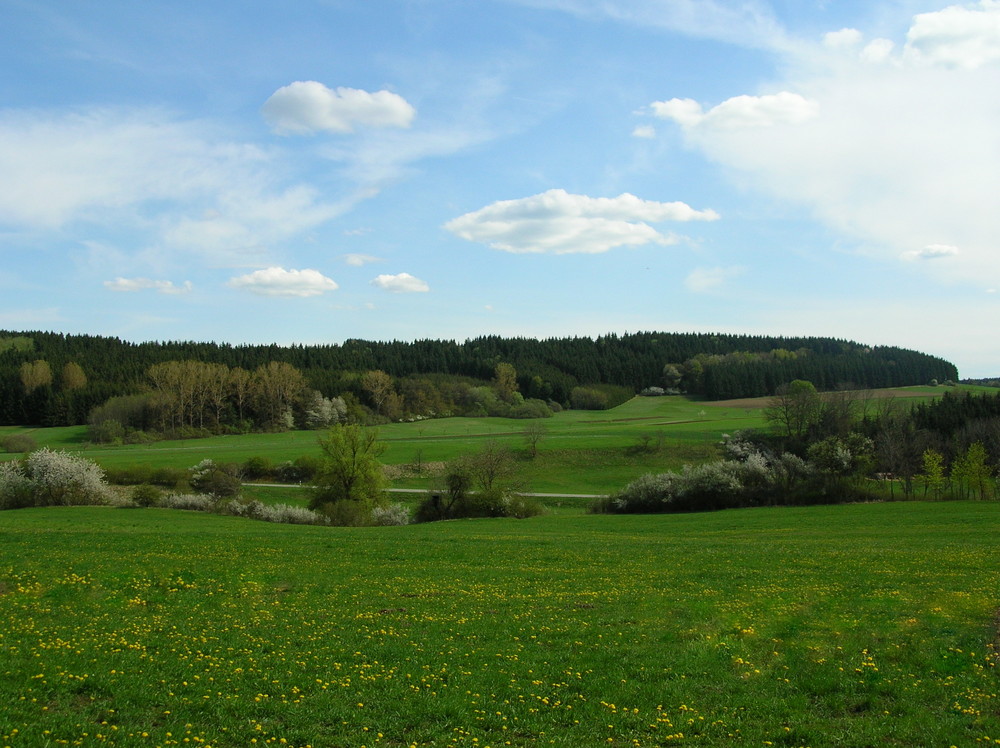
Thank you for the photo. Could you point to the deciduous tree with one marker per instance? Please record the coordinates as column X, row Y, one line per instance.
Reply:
column 350, row 470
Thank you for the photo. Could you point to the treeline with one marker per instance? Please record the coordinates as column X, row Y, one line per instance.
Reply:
column 551, row 371
column 835, row 448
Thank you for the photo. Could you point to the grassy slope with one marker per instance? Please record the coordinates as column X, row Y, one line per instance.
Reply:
column 582, row 451
column 849, row 625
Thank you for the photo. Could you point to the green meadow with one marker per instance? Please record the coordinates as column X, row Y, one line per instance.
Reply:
column 854, row 625
column 583, row 452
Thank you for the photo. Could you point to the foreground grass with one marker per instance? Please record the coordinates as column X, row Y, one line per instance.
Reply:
column 850, row 625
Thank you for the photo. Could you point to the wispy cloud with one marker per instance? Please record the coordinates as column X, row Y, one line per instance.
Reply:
column 181, row 184
column 701, row 280
column 931, row 252
column 359, row 260
column 143, row 284
column 748, row 23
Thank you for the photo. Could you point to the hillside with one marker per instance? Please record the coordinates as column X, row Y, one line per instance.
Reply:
column 79, row 372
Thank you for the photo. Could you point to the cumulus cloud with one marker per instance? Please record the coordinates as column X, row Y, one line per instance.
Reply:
column 894, row 156
column 401, row 283
column 783, row 108
column 558, row 222
column 143, row 284
column 308, row 107
column 960, row 36
column 644, row 131
column 276, row 281
column 931, row 252
column 706, row 279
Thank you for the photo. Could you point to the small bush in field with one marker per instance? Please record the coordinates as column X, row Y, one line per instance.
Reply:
column 18, row 443
column 393, row 514
column 145, row 495
column 292, row 515
column 190, row 501
column 219, row 481
column 257, row 467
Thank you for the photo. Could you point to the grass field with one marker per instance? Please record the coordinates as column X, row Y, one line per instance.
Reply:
column 588, row 452
column 855, row 625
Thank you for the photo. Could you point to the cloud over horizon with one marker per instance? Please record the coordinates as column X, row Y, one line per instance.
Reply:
column 276, row 281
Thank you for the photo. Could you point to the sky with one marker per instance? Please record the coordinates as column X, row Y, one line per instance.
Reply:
column 321, row 170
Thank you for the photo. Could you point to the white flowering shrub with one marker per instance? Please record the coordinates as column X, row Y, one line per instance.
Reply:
column 48, row 478
column 191, row 501
column 292, row 515
column 393, row 514
column 648, row 493
column 16, row 488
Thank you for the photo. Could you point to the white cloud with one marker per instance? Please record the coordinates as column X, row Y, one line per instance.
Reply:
column 931, row 252
column 644, row 131
column 401, row 283
column 142, row 284
column 558, row 222
column 843, row 39
column 740, row 111
column 960, row 36
column 276, row 281
column 878, row 50
column 359, row 260
column 181, row 185
column 893, row 156
column 706, row 279
column 308, row 107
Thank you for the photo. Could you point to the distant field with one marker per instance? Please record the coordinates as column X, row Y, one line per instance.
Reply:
column 588, row 452
column 856, row 625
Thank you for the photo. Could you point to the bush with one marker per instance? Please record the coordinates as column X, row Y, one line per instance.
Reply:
column 19, row 443
column 531, row 408
column 219, row 481
column 394, row 514
column 130, row 475
column 346, row 513
column 292, row 515
column 303, row 470
column 189, row 501
column 255, row 468
column 47, row 478
column 145, row 495
column 586, row 398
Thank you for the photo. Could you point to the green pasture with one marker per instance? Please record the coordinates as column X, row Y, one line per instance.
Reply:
column 854, row 625
column 585, row 452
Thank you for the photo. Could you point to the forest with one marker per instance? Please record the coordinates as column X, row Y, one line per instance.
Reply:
column 51, row 379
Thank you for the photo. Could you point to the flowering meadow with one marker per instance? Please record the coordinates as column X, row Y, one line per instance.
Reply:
column 849, row 625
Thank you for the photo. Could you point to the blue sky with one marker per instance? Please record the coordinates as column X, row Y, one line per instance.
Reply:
column 309, row 172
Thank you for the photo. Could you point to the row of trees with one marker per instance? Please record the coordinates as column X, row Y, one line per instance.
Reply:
column 551, row 370
column 191, row 398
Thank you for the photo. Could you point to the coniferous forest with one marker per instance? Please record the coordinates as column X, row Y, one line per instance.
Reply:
column 56, row 379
